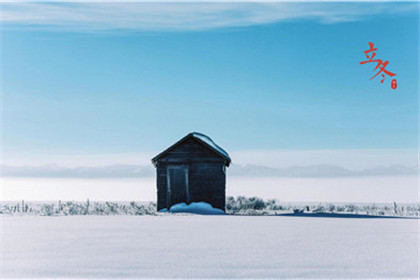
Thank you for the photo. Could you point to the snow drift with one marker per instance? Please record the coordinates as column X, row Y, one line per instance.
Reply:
column 201, row 208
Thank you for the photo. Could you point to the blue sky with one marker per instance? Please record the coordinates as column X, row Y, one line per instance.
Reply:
column 252, row 77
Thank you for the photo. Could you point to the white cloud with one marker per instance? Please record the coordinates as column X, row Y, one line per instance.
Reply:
column 184, row 16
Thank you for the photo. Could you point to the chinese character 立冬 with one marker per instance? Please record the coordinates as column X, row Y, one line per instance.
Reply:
column 380, row 64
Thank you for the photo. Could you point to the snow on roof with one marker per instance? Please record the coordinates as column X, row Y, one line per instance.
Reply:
column 210, row 142
column 202, row 138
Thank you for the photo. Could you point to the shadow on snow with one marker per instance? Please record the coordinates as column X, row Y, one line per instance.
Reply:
column 339, row 215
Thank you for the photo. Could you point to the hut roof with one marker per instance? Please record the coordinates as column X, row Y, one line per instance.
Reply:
column 202, row 138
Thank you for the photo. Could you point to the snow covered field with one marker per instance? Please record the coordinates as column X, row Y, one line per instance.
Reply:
column 209, row 246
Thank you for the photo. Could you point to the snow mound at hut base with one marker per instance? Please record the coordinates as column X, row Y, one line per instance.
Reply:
column 201, row 208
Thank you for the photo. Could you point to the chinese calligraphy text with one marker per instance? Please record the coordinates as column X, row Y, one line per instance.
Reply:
column 380, row 65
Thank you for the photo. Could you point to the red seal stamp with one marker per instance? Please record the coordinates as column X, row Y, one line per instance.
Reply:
column 394, row 84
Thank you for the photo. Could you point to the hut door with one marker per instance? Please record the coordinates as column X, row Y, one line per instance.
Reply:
column 177, row 185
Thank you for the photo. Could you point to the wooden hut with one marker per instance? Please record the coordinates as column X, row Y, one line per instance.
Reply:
column 192, row 170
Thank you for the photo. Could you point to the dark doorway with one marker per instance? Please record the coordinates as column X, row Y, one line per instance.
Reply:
column 177, row 185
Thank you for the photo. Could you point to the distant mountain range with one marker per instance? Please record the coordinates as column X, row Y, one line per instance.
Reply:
column 140, row 171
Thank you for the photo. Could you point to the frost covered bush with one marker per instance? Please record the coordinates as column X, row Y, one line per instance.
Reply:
column 272, row 204
column 139, row 209
column 252, row 206
column 257, row 206
column 234, row 206
column 319, row 209
column 242, row 203
column 70, row 208
column 331, row 208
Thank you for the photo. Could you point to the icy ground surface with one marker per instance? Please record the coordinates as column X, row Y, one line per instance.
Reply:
column 184, row 245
